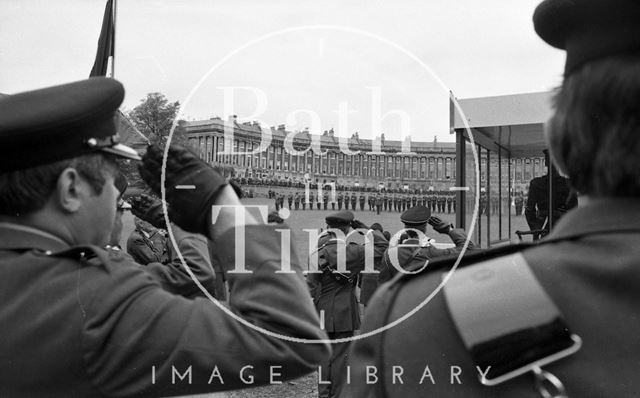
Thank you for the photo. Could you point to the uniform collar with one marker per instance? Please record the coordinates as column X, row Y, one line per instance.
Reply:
column 17, row 236
column 599, row 216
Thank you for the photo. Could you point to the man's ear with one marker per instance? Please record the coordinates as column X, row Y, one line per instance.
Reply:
column 69, row 190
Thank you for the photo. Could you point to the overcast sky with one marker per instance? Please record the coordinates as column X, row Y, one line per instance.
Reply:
column 314, row 56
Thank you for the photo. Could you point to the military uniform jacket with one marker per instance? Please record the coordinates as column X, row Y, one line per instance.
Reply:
column 369, row 281
column 588, row 265
column 337, row 297
column 76, row 326
column 412, row 256
column 145, row 250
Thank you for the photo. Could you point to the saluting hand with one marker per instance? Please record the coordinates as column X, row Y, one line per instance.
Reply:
column 439, row 225
column 357, row 224
column 191, row 185
column 149, row 209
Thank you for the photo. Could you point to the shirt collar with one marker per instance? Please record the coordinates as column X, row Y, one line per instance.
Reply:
column 17, row 236
column 599, row 216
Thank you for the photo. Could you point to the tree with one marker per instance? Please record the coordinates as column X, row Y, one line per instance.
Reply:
column 154, row 117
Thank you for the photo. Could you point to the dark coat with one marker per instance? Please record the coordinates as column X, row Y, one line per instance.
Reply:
column 145, row 250
column 588, row 266
column 95, row 326
column 336, row 297
column 536, row 209
column 369, row 281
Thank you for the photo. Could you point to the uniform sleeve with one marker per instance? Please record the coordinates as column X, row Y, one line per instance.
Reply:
column 459, row 237
column 195, row 252
column 140, row 340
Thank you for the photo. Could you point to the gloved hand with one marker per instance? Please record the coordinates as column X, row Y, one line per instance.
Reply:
column 149, row 209
column 439, row 225
column 355, row 224
column 190, row 208
column 274, row 217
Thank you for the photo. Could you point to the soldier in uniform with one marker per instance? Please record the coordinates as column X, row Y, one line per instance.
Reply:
column 290, row 200
column 146, row 244
column 414, row 200
column 296, row 200
column 583, row 276
column 277, row 201
column 79, row 320
column 369, row 281
column 362, row 201
column 441, row 202
column 353, row 201
column 325, row 200
column 412, row 253
column 536, row 209
column 519, row 202
column 340, row 201
column 303, row 199
column 385, row 201
column 334, row 296
column 378, row 201
column 312, row 199
column 318, row 202
column 449, row 203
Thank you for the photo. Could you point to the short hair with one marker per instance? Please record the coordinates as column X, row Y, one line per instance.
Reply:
column 26, row 191
column 594, row 134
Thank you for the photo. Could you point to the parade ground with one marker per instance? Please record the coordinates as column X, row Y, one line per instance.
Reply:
column 298, row 221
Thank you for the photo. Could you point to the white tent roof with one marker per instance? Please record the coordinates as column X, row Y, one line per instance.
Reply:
column 515, row 122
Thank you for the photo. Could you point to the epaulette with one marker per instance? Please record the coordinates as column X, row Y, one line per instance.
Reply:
column 527, row 329
column 470, row 257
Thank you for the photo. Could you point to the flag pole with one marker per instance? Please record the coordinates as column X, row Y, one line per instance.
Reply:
column 113, row 43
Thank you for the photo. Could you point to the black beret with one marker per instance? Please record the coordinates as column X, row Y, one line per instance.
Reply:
column 340, row 218
column 589, row 29
column 61, row 122
column 415, row 216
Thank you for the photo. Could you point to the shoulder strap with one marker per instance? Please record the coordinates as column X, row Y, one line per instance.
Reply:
column 505, row 318
column 412, row 257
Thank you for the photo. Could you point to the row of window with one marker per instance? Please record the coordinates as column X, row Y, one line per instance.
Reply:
column 391, row 166
column 277, row 158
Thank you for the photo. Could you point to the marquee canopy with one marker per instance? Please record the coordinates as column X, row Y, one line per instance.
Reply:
column 514, row 122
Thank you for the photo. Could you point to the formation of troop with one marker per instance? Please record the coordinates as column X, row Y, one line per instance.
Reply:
column 436, row 201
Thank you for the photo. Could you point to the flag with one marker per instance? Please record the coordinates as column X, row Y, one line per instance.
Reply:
column 106, row 42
